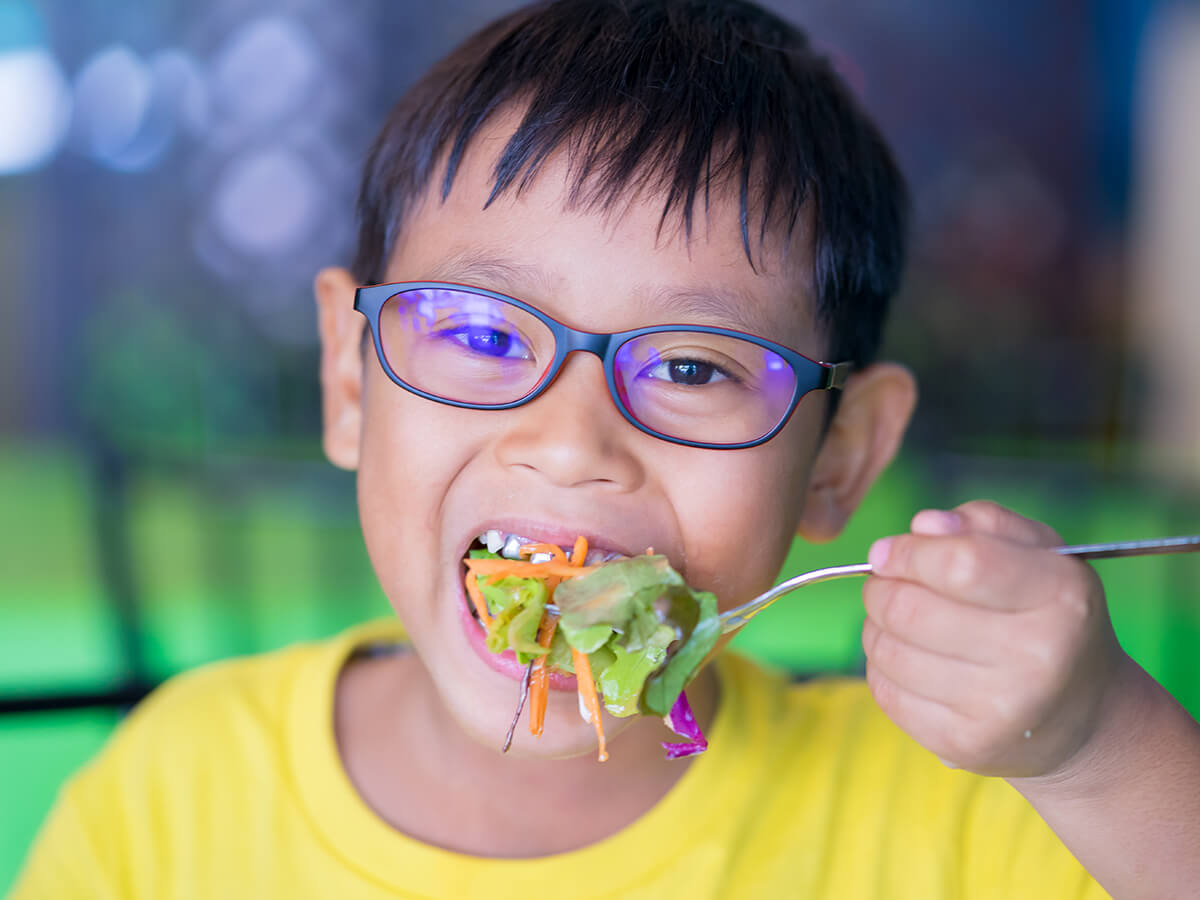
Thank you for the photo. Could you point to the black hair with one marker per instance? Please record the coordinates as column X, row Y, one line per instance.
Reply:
column 673, row 96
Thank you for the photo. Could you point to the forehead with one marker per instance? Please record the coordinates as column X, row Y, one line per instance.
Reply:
column 606, row 266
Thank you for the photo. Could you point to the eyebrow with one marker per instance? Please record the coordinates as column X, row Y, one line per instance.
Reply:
column 708, row 306
column 723, row 307
column 470, row 266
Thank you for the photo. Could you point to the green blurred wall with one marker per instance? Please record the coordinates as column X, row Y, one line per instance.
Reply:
column 279, row 559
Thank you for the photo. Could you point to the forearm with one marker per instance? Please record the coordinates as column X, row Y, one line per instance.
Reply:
column 1129, row 808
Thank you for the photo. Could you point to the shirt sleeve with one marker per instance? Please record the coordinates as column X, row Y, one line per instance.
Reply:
column 66, row 860
column 85, row 846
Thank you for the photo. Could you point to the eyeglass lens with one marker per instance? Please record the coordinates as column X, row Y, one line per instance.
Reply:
column 690, row 385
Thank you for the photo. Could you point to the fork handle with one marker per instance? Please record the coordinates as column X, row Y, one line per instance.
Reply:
column 733, row 619
column 1187, row 544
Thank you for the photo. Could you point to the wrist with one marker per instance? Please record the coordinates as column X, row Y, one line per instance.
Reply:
column 1131, row 701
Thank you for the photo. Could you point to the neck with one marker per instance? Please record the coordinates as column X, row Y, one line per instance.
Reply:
column 416, row 768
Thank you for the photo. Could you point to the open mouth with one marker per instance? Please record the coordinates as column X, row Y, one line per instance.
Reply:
column 629, row 634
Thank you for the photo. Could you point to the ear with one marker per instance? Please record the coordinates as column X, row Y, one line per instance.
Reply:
column 340, row 326
column 873, row 413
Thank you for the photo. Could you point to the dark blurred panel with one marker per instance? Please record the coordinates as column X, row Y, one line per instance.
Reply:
column 209, row 152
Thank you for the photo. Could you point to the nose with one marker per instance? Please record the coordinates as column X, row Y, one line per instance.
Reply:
column 573, row 435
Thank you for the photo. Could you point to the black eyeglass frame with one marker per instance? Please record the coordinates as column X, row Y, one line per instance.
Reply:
column 811, row 375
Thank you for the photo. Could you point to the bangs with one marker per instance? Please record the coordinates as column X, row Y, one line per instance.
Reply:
column 677, row 100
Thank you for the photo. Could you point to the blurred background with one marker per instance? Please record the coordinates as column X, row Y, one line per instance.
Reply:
column 172, row 174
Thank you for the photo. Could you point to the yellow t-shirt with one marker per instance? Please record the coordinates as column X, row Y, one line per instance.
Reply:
column 227, row 783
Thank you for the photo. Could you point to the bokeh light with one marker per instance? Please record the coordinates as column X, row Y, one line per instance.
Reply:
column 266, row 71
column 35, row 107
column 112, row 98
column 267, row 202
column 128, row 111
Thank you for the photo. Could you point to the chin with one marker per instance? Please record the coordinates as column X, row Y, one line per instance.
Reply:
column 486, row 722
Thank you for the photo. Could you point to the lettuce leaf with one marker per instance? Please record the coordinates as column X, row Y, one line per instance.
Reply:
column 516, row 606
column 621, row 683
column 644, row 630
column 661, row 630
column 665, row 686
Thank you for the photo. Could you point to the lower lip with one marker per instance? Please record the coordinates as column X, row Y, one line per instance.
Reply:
column 505, row 663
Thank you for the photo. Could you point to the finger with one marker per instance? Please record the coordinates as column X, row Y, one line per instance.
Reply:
column 959, row 741
column 925, row 721
column 930, row 621
column 985, row 517
column 931, row 676
column 991, row 518
column 978, row 569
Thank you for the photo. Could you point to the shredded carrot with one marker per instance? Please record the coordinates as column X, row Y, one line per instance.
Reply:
column 553, row 549
column 587, row 691
column 477, row 600
column 521, row 569
column 558, row 569
column 550, row 580
column 539, row 684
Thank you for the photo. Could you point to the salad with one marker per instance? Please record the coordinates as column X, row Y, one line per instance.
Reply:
column 630, row 631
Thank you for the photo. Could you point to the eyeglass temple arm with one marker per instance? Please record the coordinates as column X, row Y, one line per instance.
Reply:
column 835, row 376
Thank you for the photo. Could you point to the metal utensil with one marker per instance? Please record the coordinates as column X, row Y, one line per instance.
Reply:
column 733, row 619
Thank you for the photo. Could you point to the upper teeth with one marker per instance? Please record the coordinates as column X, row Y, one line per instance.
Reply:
column 509, row 546
column 512, row 547
column 493, row 539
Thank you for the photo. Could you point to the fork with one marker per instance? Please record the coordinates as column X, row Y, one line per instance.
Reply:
column 733, row 619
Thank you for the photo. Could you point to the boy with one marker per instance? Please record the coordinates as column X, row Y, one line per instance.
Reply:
column 616, row 166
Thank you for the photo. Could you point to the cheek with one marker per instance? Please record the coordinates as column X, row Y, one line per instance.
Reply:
column 412, row 450
column 738, row 529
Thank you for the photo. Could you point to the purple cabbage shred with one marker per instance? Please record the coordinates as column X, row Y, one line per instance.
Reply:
column 681, row 721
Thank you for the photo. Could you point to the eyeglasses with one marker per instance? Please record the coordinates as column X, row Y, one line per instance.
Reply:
column 688, row 384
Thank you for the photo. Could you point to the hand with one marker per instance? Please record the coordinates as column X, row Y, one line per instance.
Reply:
column 987, row 648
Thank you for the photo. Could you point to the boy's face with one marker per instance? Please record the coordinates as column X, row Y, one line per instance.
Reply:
column 432, row 478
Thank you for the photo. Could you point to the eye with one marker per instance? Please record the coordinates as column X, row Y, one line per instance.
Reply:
column 487, row 340
column 686, row 372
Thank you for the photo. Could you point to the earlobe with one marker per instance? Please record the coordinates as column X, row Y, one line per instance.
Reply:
column 340, row 327
column 874, row 412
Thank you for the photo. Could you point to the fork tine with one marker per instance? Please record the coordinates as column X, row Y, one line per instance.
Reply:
column 733, row 619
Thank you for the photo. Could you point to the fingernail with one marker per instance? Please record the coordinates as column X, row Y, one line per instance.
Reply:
column 951, row 521
column 945, row 762
column 879, row 552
